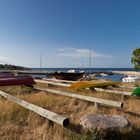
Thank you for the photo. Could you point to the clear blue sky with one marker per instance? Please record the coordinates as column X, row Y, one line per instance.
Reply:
column 63, row 30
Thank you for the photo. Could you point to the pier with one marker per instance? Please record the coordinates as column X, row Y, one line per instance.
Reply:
column 127, row 73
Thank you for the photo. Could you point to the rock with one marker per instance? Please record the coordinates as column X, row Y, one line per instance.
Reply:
column 103, row 121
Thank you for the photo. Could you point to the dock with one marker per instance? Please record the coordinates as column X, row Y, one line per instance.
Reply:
column 127, row 73
column 29, row 72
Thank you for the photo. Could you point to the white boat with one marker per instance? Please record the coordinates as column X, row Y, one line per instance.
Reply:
column 74, row 71
column 130, row 79
column 103, row 74
column 69, row 75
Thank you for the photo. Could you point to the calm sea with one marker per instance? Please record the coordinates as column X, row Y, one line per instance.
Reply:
column 115, row 77
column 83, row 69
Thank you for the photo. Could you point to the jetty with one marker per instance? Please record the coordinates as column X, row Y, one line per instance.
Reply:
column 127, row 73
column 28, row 72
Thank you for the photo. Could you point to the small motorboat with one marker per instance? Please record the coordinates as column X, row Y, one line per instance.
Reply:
column 130, row 79
column 103, row 74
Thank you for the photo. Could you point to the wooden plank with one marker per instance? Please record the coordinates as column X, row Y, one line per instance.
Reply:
column 114, row 91
column 86, row 98
column 64, row 121
column 52, row 83
column 56, row 80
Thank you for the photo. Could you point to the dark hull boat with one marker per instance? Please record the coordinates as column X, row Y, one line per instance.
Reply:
column 6, row 75
column 73, row 76
column 17, row 80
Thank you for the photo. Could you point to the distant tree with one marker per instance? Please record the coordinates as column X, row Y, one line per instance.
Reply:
column 11, row 67
column 136, row 58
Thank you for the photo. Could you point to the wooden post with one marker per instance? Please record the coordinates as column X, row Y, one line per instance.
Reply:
column 86, row 98
column 64, row 121
column 122, row 96
column 96, row 105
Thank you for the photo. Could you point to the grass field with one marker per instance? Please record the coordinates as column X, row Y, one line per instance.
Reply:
column 18, row 123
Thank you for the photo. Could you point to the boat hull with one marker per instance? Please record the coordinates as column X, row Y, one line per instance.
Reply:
column 17, row 80
column 6, row 75
column 68, row 76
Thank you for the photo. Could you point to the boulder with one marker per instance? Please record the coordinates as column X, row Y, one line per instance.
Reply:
column 103, row 122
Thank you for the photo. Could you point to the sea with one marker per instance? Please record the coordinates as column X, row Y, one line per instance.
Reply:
column 115, row 77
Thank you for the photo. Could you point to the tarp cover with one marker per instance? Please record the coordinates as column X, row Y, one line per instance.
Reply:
column 136, row 92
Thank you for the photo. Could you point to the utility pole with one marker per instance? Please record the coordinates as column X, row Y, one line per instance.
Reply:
column 89, row 60
column 82, row 65
column 40, row 61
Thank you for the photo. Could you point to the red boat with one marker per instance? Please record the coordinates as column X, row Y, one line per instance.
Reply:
column 6, row 75
column 17, row 80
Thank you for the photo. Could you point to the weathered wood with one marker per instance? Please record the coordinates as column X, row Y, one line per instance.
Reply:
column 86, row 98
column 57, row 80
column 64, row 121
column 114, row 91
column 52, row 83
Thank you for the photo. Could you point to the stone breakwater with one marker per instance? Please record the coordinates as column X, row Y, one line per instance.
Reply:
column 127, row 73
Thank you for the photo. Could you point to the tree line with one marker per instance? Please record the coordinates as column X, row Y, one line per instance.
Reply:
column 11, row 67
column 136, row 58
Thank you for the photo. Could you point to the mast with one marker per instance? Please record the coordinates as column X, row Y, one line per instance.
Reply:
column 89, row 60
column 40, row 61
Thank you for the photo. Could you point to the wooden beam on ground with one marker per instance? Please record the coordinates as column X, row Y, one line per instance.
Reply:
column 86, row 98
column 64, row 121
column 52, row 83
column 113, row 91
column 57, row 80
column 126, row 87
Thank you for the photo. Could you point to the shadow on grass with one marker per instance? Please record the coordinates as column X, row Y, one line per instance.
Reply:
column 75, row 128
column 122, row 134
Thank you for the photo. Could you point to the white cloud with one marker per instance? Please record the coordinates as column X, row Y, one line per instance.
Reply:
column 4, row 60
column 76, row 53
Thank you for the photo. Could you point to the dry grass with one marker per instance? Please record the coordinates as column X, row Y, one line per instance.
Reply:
column 19, row 123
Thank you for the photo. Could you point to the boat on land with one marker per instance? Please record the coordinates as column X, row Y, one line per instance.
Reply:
column 130, row 79
column 17, row 80
column 6, row 75
column 70, row 75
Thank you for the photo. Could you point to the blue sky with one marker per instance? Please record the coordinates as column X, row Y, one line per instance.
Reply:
column 62, row 31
